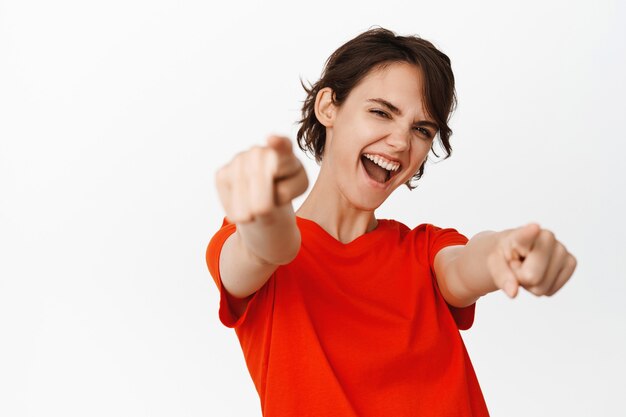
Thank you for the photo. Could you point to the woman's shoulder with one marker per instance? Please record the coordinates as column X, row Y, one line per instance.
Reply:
column 401, row 227
column 423, row 232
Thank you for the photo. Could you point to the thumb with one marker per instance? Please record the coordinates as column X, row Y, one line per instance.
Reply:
column 522, row 241
column 280, row 144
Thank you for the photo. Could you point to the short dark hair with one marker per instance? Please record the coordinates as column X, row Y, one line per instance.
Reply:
column 374, row 49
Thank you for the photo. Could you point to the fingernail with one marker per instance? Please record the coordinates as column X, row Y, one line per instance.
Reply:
column 509, row 289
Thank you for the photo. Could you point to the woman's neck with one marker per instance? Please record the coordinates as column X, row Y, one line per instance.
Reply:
column 327, row 206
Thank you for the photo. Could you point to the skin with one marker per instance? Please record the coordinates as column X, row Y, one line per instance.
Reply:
column 344, row 198
column 383, row 115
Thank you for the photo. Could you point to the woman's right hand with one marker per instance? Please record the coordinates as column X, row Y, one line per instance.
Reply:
column 259, row 180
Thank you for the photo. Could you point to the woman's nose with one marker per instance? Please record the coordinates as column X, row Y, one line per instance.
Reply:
column 399, row 139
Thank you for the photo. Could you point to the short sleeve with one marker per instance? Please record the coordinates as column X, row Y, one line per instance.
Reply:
column 226, row 314
column 440, row 238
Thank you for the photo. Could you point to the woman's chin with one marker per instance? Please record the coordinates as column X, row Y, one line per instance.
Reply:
column 367, row 203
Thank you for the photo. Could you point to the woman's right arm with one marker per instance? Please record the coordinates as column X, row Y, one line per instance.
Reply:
column 256, row 189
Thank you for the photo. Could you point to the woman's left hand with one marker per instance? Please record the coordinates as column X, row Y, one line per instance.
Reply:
column 530, row 257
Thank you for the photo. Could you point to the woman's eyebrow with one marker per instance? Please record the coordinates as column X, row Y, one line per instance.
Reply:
column 395, row 110
column 387, row 104
column 428, row 123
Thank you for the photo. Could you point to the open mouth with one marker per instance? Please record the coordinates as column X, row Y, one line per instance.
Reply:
column 379, row 169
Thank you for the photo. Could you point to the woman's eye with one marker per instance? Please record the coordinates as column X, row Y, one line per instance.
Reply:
column 380, row 113
column 423, row 132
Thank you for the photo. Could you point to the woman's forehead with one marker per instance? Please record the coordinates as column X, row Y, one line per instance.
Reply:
column 399, row 84
column 396, row 78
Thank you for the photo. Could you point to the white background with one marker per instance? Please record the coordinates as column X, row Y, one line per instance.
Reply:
column 114, row 117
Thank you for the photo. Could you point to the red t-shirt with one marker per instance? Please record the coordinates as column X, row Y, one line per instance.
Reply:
column 356, row 329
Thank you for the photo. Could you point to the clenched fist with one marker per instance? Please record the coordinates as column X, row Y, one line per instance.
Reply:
column 532, row 258
column 260, row 179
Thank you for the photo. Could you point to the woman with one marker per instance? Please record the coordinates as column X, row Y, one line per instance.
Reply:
column 342, row 314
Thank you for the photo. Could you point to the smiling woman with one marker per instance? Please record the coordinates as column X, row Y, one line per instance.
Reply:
column 340, row 313
column 352, row 62
column 383, row 116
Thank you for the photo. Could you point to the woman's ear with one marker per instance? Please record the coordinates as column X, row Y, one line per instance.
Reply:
column 325, row 108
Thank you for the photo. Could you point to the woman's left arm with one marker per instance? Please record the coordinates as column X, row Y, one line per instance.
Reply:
column 528, row 257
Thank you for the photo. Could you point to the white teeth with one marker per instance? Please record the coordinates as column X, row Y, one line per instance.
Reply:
column 382, row 162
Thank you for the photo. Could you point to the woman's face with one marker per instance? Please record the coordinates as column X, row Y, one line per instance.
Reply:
column 379, row 137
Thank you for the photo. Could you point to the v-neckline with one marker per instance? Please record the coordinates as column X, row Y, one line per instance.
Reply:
column 363, row 241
